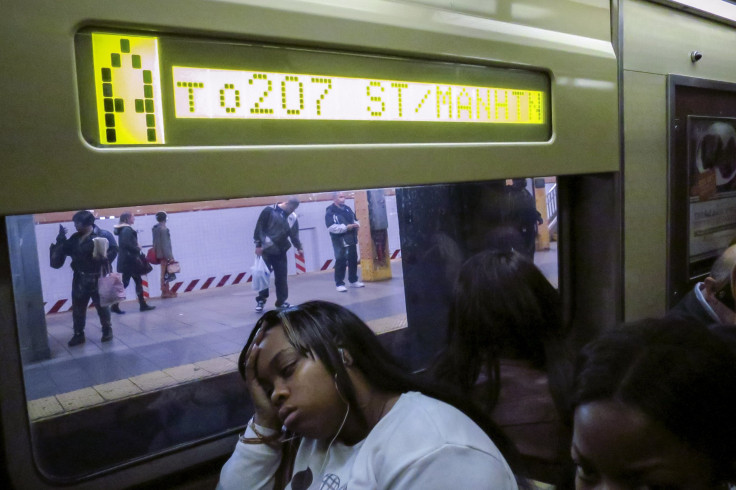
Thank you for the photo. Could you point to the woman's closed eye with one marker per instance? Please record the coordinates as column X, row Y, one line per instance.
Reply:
column 288, row 369
column 284, row 372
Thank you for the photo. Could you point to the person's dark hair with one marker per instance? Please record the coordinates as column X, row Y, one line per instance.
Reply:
column 678, row 373
column 125, row 217
column 161, row 216
column 503, row 306
column 85, row 218
column 318, row 329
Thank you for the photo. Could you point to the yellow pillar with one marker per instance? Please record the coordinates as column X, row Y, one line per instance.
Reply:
column 540, row 197
column 372, row 267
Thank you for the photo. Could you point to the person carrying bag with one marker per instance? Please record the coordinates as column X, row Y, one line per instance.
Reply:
column 91, row 250
column 132, row 264
column 163, row 253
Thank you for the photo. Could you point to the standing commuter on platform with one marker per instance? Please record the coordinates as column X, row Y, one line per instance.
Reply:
column 86, row 266
column 276, row 230
column 162, row 246
column 129, row 252
column 712, row 301
column 343, row 227
column 522, row 211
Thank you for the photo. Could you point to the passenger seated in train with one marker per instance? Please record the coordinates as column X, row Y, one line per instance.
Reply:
column 712, row 301
column 507, row 350
column 653, row 408
column 334, row 410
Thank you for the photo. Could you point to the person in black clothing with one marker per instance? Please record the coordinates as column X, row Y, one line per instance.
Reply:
column 86, row 266
column 129, row 251
column 523, row 213
column 276, row 230
column 343, row 227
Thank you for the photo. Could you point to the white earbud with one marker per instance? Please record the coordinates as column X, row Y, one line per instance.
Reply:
column 342, row 355
column 339, row 393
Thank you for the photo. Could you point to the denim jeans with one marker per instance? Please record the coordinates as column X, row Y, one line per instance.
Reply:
column 277, row 265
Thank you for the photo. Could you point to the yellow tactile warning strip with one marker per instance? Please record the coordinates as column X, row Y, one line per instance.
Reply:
column 388, row 324
column 63, row 403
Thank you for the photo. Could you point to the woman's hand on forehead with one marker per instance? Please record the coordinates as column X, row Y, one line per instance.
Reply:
column 265, row 414
column 259, row 336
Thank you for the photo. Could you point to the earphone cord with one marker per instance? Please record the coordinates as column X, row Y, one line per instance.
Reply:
column 327, row 452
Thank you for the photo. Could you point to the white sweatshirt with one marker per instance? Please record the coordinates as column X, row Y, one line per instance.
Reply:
column 421, row 443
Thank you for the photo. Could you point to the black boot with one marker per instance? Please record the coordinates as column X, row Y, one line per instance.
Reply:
column 77, row 339
column 144, row 305
column 116, row 309
column 106, row 334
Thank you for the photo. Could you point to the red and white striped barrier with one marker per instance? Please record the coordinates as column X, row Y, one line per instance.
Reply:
column 57, row 307
column 211, row 282
column 301, row 265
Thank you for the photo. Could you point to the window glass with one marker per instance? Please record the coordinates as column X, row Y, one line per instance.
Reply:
column 167, row 376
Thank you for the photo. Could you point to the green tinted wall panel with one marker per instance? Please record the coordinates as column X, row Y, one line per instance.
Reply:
column 46, row 145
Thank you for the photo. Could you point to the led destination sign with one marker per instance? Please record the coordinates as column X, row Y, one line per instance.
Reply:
column 181, row 91
column 211, row 93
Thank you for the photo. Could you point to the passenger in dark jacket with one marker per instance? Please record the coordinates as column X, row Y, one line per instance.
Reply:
column 87, row 267
column 276, row 230
column 127, row 259
column 343, row 227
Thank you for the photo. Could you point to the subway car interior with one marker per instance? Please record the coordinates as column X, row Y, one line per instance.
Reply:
column 594, row 111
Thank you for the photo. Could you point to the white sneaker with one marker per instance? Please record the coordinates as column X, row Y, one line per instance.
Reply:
column 341, row 288
column 357, row 284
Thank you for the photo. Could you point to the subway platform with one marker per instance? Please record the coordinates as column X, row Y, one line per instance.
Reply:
column 194, row 336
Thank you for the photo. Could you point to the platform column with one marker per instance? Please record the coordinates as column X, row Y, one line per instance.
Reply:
column 375, row 259
column 540, row 197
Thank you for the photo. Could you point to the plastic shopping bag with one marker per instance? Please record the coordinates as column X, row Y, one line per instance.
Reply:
column 261, row 274
column 111, row 289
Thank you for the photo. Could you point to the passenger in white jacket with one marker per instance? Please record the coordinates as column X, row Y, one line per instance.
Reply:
column 324, row 387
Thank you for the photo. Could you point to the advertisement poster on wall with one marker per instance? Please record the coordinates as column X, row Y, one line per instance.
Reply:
column 712, row 185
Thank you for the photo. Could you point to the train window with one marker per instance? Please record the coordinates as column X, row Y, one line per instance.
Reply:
column 167, row 376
